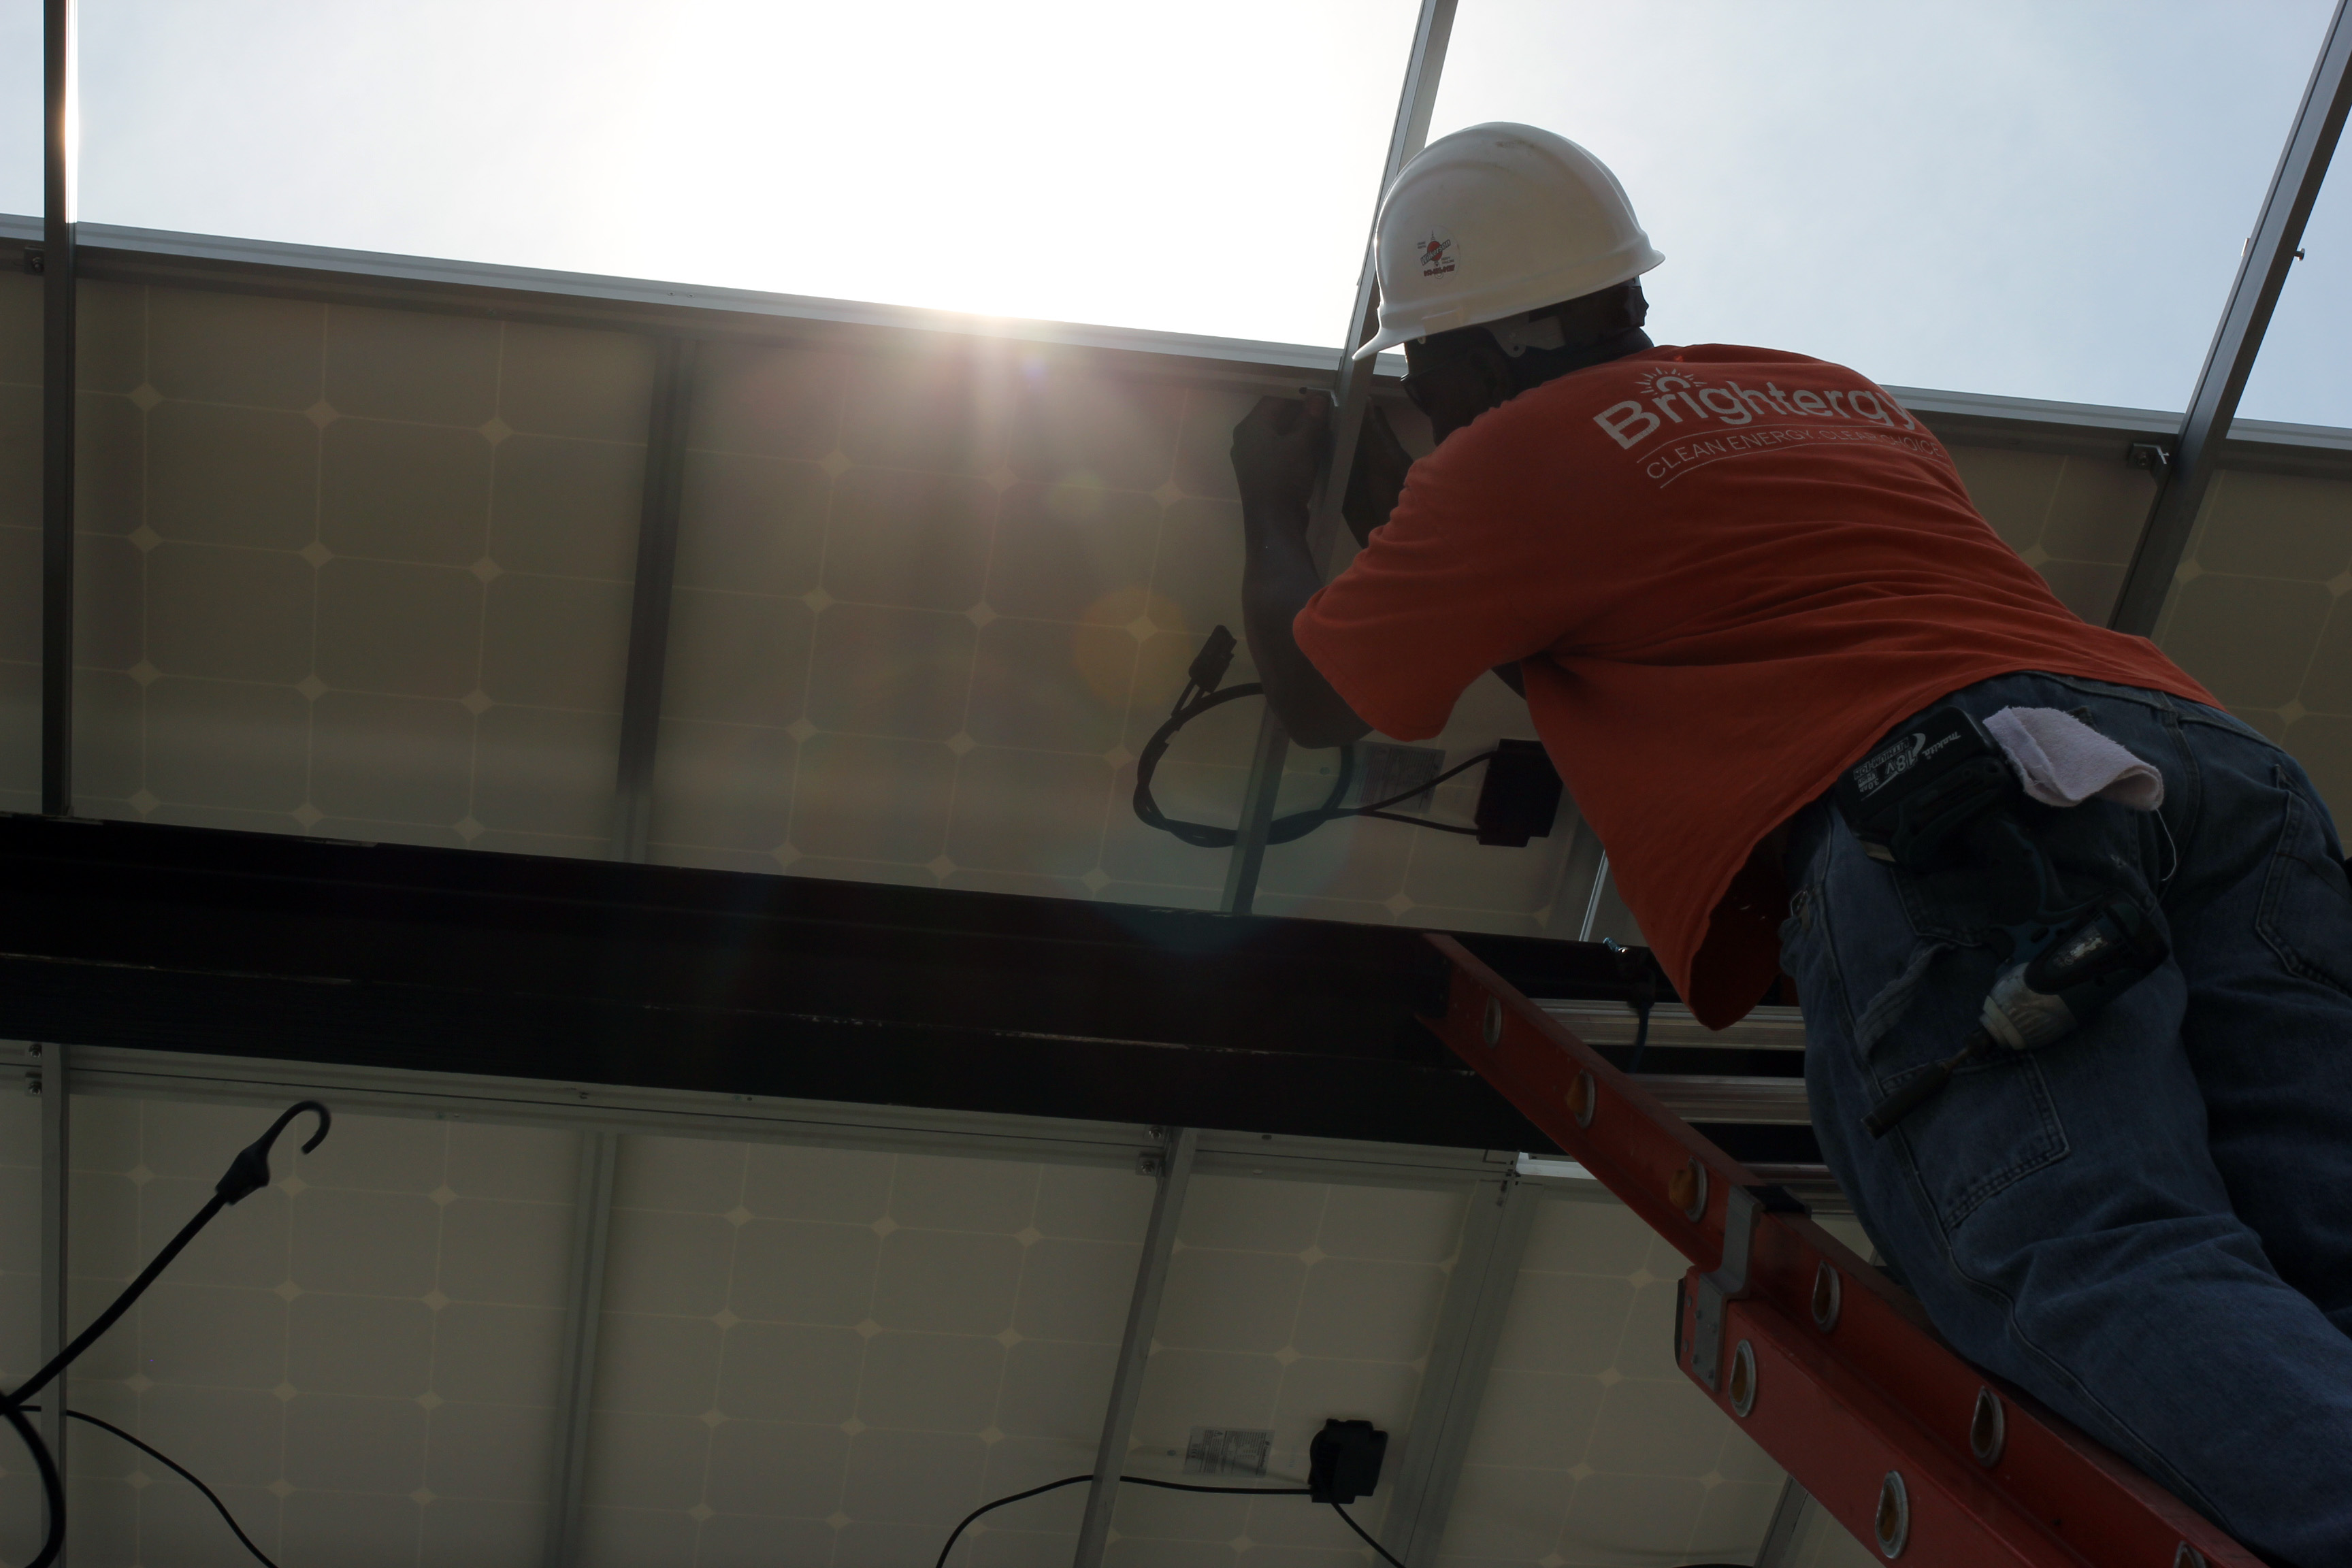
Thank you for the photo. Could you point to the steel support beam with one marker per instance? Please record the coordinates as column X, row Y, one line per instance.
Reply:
column 138, row 934
column 2261, row 274
column 657, row 523
column 1469, row 1327
column 128, row 934
column 1787, row 1524
column 1180, row 1145
column 62, row 135
column 1352, row 392
column 56, row 1174
column 592, row 1225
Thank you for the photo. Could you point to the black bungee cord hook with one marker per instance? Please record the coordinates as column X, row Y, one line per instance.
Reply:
column 1645, row 997
column 246, row 1174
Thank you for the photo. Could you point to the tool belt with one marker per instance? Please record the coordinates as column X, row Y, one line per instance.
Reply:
column 1940, row 794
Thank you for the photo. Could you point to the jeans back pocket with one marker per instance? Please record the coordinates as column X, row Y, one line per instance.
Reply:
column 2306, row 910
column 1996, row 1125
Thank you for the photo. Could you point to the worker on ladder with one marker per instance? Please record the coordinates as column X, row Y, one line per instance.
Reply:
column 1723, row 576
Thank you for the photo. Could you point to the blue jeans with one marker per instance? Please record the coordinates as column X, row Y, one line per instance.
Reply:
column 2148, row 1224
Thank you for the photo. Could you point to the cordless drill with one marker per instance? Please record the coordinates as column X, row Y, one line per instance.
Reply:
column 1940, row 793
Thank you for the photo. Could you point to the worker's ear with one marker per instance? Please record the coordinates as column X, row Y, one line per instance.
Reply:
column 1497, row 372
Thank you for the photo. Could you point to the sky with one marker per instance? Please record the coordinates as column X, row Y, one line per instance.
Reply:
column 2016, row 196
column 2009, row 196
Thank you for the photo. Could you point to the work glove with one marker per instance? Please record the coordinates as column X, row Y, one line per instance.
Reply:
column 1278, row 448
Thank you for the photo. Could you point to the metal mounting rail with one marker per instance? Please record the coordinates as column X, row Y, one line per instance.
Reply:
column 1828, row 1366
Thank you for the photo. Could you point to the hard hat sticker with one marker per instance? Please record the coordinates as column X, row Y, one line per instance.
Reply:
column 1437, row 253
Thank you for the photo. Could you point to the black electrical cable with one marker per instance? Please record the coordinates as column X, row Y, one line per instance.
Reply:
column 1359, row 1530
column 246, row 1174
column 1124, row 1480
column 53, row 1489
column 956, row 1533
column 51, row 1486
column 181, row 1470
column 1379, row 807
column 1284, row 829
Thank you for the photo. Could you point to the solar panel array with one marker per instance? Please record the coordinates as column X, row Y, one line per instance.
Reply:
column 817, row 1355
column 367, row 574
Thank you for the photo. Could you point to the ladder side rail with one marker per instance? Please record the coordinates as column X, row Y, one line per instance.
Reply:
column 2050, row 1468
column 1874, row 1392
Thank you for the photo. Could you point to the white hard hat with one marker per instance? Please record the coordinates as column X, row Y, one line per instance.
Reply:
column 1493, row 221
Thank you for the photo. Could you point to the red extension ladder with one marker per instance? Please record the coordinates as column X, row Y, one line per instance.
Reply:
column 1830, row 1369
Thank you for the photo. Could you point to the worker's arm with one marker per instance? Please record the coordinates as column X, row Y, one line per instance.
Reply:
column 1277, row 452
column 1374, row 487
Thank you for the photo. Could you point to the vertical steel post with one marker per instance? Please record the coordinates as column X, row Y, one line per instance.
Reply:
column 576, row 1388
column 56, row 1172
column 1788, row 1524
column 2261, row 274
column 657, row 572
column 1179, row 1147
column 62, row 135
column 1469, row 1328
column 1353, row 393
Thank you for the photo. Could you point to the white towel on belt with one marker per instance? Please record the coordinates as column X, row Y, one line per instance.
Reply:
column 2064, row 762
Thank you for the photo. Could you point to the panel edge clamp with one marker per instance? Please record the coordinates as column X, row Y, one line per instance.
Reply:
column 2155, row 457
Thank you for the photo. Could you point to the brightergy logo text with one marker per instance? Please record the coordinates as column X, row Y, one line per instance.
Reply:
column 1674, row 397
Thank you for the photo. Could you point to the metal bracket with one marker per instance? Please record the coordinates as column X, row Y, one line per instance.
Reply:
column 1728, row 1281
column 36, row 260
column 1706, row 1332
column 2156, row 456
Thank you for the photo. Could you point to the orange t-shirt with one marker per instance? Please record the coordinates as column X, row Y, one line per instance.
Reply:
column 1725, row 572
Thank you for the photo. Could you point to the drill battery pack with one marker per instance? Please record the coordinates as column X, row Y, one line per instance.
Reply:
column 1909, row 800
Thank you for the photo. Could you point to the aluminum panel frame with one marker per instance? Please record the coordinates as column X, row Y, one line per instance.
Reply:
column 1461, row 1358
column 60, row 275
column 651, row 595
column 591, row 1229
column 1179, row 1146
column 1352, row 393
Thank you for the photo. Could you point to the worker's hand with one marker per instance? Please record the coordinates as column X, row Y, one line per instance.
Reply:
column 1278, row 448
column 1377, row 479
